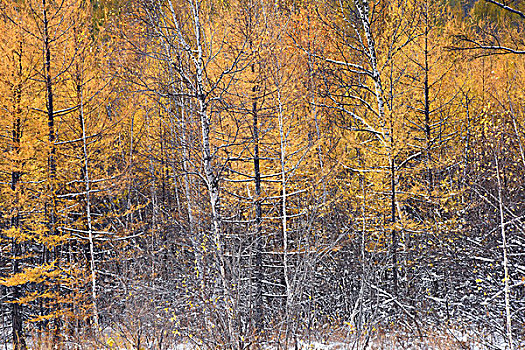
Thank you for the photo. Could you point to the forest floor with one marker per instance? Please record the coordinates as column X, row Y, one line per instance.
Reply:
column 452, row 340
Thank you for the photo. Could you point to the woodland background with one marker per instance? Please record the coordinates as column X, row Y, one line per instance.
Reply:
column 246, row 173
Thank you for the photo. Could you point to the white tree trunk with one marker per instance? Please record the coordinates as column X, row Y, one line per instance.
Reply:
column 505, row 260
column 87, row 188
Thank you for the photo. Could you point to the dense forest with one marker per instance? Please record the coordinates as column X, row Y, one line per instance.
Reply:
column 242, row 174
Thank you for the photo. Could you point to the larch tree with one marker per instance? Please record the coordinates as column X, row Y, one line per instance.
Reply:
column 15, row 72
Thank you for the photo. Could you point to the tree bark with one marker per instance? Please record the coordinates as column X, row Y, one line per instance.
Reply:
column 508, row 316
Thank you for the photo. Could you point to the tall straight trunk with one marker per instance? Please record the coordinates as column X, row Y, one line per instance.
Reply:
column 259, row 312
column 212, row 179
column 360, row 299
column 508, row 316
column 428, row 135
column 363, row 10
column 52, row 210
column 312, row 241
column 154, row 201
column 130, row 213
column 196, row 238
column 19, row 342
column 258, row 240
column 87, row 189
column 50, row 119
column 393, row 219
column 313, row 104
column 284, row 216
column 182, row 106
column 212, row 183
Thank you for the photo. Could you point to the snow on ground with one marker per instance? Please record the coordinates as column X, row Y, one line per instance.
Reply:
column 455, row 340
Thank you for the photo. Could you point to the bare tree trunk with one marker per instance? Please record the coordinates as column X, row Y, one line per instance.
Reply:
column 394, row 231
column 284, row 217
column 194, row 234
column 505, row 260
column 154, row 201
column 313, row 104
column 182, row 106
column 363, row 10
column 89, row 218
column 259, row 312
column 212, row 179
